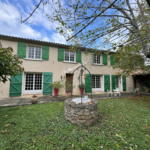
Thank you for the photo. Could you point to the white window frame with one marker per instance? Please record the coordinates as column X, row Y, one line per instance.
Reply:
column 101, row 83
column 34, row 52
column 95, row 62
column 117, row 77
column 120, row 83
column 69, row 57
column 32, row 91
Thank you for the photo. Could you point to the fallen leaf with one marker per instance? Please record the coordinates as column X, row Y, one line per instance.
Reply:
column 4, row 131
column 6, row 125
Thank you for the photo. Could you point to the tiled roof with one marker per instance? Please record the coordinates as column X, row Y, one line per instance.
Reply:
column 40, row 42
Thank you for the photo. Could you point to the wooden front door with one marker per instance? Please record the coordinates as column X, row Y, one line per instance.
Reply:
column 68, row 81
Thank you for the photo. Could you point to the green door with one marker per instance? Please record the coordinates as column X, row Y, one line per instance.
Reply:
column 106, row 82
column 15, row 85
column 47, row 79
column 113, row 82
column 88, row 83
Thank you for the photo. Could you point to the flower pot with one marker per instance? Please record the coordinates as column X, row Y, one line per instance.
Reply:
column 139, row 93
column 147, row 90
column 55, row 92
column 34, row 99
column 81, row 91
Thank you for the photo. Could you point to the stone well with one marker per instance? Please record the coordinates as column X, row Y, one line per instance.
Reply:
column 81, row 113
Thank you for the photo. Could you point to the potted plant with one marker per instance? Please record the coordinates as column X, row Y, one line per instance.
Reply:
column 146, row 89
column 34, row 99
column 81, row 86
column 56, row 86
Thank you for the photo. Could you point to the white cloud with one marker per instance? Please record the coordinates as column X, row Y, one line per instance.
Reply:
column 10, row 25
column 57, row 38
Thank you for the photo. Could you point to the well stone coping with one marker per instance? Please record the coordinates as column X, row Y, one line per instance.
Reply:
column 81, row 113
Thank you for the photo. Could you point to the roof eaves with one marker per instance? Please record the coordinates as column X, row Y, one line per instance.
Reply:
column 45, row 43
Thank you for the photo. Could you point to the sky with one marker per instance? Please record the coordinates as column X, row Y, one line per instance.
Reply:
column 38, row 26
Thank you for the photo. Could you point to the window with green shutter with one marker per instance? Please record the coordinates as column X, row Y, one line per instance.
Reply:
column 97, row 59
column 21, row 50
column 47, row 79
column 78, row 57
column 104, row 59
column 106, row 82
column 15, row 85
column 124, row 83
column 112, row 60
column 88, row 86
column 113, row 82
column 60, row 54
column 45, row 53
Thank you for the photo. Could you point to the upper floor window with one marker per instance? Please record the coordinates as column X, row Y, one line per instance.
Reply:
column 97, row 59
column 69, row 56
column 34, row 52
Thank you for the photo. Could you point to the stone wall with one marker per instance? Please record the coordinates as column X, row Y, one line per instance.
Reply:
column 81, row 113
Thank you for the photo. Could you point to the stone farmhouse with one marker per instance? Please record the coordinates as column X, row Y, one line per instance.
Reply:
column 46, row 62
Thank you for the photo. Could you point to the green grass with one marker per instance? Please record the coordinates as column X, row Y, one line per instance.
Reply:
column 123, row 124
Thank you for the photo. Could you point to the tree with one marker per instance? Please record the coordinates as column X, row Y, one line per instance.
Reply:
column 10, row 65
column 148, row 1
column 105, row 24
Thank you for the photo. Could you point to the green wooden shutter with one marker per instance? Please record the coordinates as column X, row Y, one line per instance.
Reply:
column 60, row 54
column 124, row 83
column 21, row 50
column 15, row 85
column 112, row 60
column 104, row 59
column 88, row 83
column 45, row 53
column 106, row 82
column 47, row 79
column 113, row 82
column 78, row 56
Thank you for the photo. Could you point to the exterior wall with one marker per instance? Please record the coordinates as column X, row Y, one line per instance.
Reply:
column 59, row 69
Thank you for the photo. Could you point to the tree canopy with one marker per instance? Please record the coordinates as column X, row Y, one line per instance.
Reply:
column 113, row 25
column 10, row 65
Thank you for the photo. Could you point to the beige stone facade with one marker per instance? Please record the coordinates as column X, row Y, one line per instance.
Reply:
column 60, row 69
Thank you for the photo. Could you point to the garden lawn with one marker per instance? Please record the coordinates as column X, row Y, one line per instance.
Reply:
column 123, row 124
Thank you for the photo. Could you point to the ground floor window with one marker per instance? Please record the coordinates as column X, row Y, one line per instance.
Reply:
column 33, row 82
column 117, row 82
column 96, row 82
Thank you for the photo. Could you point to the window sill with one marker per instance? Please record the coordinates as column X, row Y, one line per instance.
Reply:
column 33, row 59
column 70, row 62
column 98, row 64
